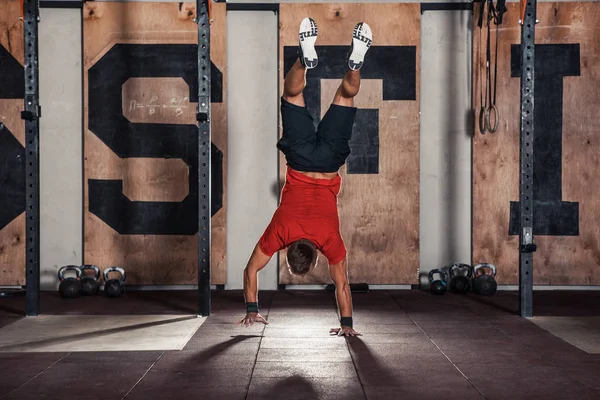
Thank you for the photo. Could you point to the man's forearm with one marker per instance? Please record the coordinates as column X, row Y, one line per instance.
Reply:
column 344, row 299
column 339, row 275
column 258, row 260
column 250, row 286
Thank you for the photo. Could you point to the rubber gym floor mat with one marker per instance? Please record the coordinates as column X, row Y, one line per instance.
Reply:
column 72, row 333
column 582, row 332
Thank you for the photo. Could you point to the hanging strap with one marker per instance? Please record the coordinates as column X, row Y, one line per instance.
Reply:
column 496, row 65
column 500, row 10
column 482, row 108
column 488, row 115
column 481, row 13
column 488, row 58
column 495, row 15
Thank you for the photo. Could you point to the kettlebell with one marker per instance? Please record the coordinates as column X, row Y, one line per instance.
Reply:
column 114, row 287
column 460, row 283
column 89, row 284
column 69, row 288
column 484, row 284
column 438, row 286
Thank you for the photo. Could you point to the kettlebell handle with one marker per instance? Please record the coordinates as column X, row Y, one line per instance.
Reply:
column 116, row 269
column 62, row 270
column 88, row 267
column 485, row 265
column 442, row 273
column 461, row 266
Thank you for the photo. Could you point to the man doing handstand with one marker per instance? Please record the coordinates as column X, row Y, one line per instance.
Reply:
column 307, row 218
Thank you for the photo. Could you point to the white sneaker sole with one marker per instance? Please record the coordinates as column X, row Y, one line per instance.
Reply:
column 362, row 38
column 307, row 37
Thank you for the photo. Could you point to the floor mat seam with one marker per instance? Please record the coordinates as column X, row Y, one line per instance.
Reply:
column 143, row 376
column 257, row 351
column 440, row 350
column 36, row 375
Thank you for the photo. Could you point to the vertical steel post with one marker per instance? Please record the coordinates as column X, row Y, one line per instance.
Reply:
column 31, row 115
column 204, row 159
column 526, row 245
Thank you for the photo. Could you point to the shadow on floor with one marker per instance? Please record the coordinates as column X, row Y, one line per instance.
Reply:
column 184, row 302
column 546, row 303
column 366, row 361
column 205, row 355
column 294, row 384
column 11, row 310
column 133, row 302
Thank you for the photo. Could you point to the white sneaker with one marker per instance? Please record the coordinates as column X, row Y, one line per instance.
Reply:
column 307, row 37
column 362, row 38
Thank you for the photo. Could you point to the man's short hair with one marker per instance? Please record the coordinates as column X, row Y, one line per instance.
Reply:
column 301, row 257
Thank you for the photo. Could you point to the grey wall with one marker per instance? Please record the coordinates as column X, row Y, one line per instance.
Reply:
column 61, row 203
column 445, row 141
column 252, row 115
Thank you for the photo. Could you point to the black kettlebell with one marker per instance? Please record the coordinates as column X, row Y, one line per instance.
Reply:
column 484, row 284
column 114, row 287
column 69, row 288
column 89, row 284
column 460, row 283
column 438, row 286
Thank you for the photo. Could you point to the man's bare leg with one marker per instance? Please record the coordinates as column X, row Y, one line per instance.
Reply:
column 362, row 39
column 294, row 84
column 348, row 89
column 295, row 79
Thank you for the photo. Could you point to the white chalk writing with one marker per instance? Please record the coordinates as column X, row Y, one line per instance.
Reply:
column 175, row 104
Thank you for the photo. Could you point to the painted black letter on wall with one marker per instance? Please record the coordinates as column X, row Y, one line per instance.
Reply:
column 395, row 65
column 12, row 153
column 127, row 139
column 551, row 215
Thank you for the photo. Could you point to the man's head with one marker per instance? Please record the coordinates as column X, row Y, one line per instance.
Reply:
column 301, row 257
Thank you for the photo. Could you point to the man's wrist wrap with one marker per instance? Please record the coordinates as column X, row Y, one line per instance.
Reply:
column 251, row 307
column 346, row 321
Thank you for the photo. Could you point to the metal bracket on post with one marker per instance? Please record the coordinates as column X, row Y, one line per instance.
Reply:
column 527, row 245
column 33, row 111
column 31, row 115
column 204, row 159
column 526, row 239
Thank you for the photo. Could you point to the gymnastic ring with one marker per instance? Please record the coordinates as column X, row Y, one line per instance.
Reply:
column 482, row 118
column 490, row 128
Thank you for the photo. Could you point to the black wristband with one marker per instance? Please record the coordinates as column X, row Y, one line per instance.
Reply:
column 346, row 321
column 251, row 307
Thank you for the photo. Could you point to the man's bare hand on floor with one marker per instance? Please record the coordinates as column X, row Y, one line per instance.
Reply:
column 251, row 318
column 344, row 331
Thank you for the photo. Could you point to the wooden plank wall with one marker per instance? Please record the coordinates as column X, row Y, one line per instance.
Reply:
column 12, row 146
column 566, row 148
column 379, row 201
column 141, row 167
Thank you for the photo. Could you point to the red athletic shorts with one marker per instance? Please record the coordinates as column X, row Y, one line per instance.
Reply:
column 308, row 210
